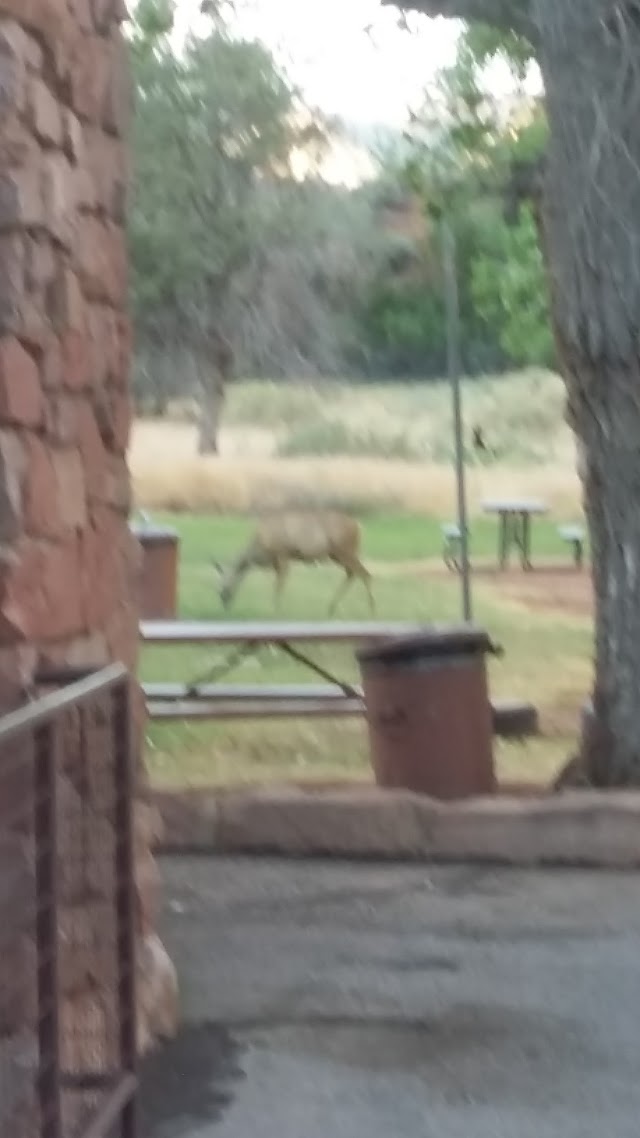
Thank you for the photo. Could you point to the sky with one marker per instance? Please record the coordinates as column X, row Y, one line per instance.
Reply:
column 363, row 78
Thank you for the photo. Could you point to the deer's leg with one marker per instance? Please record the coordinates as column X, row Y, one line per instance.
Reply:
column 281, row 569
column 341, row 590
column 365, row 577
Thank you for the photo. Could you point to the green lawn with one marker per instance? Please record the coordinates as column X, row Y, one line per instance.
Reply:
column 547, row 655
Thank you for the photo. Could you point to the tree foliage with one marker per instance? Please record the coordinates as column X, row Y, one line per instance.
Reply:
column 468, row 152
column 235, row 257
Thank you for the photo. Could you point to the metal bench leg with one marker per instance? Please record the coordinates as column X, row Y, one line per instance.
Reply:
column 451, row 554
column 526, row 541
column 504, row 541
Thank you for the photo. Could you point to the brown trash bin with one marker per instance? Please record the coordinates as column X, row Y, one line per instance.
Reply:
column 428, row 711
column 158, row 585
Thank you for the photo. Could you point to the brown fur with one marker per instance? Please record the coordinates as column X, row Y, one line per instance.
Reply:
column 310, row 537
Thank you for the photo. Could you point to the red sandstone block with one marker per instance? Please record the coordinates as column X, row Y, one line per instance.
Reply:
column 87, row 1043
column 112, row 407
column 13, row 60
column 12, row 280
column 102, row 260
column 59, row 197
column 76, row 360
column 44, row 113
column 40, row 595
column 41, row 512
column 20, row 393
column 117, row 492
column 121, row 406
column 81, row 12
column 33, row 327
column 148, row 887
column 122, row 636
column 18, row 148
column 70, row 488
column 108, row 12
column 72, row 137
column 148, row 827
column 92, row 448
column 18, row 991
column 85, row 955
column 99, row 570
column 90, row 76
column 61, row 419
column 51, row 363
column 103, row 343
column 13, row 464
column 118, row 101
column 17, row 666
column 21, row 198
column 98, row 159
column 87, row 652
column 40, row 264
column 122, row 365
column 67, row 308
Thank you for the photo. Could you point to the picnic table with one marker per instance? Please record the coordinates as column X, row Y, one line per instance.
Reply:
column 515, row 515
column 202, row 699
column 205, row 697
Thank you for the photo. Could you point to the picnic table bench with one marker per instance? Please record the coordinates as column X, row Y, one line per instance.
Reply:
column 201, row 699
column 515, row 516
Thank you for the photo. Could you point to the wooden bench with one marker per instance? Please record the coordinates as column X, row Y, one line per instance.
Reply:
column 168, row 702
column 574, row 536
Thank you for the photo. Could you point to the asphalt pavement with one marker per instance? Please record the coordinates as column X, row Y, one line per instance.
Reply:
column 335, row 1000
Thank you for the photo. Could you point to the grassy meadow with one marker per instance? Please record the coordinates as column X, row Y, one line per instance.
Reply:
column 401, row 502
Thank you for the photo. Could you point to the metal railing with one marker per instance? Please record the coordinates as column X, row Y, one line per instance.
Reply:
column 67, row 937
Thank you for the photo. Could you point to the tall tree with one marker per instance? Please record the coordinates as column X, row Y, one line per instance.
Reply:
column 238, row 264
column 217, row 131
column 589, row 56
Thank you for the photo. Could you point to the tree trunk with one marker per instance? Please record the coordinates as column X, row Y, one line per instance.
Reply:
column 211, row 408
column 591, row 209
column 610, row 430
column 589, row 53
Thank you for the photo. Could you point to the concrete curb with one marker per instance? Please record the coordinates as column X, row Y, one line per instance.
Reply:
column 575, row 828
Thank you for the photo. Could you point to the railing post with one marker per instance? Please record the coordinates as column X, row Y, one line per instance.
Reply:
column 46, row 743
column 125, row 900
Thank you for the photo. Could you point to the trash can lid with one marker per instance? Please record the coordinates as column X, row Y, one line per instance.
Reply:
column 435, row 640
column 150, row 532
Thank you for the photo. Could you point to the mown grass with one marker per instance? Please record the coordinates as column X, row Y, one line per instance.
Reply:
column 547, row 655
column 384, row 452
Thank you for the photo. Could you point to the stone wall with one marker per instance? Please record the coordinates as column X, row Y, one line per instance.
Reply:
column 68, row 563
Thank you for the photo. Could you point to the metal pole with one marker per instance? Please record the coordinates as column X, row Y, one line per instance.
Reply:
column 453, row 364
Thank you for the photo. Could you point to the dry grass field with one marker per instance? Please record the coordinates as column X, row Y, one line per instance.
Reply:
column 387, row 447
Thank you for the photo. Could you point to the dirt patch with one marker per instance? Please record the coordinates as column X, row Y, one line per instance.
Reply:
column 548, row 587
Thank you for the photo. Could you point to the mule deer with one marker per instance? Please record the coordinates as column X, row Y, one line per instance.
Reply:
column 307, row 536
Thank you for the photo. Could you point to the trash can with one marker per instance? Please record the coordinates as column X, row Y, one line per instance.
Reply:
column 158, row 585
column 428, row 712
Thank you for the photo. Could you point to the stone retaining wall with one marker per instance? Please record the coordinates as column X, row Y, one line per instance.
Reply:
column 579, row 828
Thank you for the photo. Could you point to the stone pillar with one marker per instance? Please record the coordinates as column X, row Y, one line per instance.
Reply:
column 67, row 560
